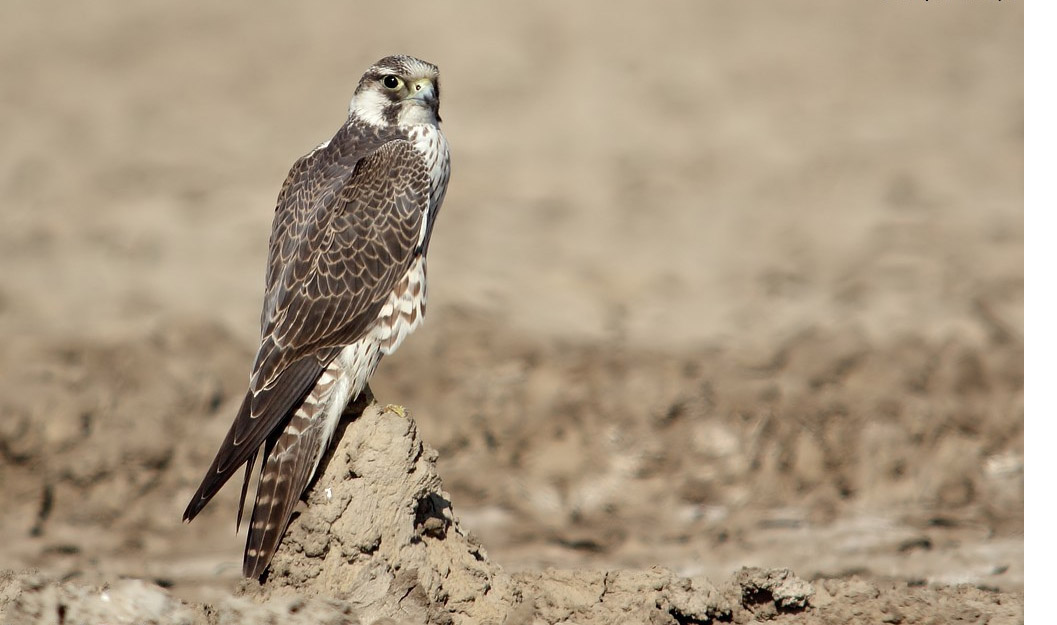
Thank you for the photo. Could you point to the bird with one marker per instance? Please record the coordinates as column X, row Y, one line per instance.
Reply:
column 345, row 284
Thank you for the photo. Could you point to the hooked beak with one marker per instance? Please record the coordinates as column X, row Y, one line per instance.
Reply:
column 425, row 91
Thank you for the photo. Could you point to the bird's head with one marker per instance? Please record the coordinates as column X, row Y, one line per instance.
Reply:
column 398, row 90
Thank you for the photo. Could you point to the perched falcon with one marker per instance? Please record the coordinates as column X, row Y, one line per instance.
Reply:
column 345, row 284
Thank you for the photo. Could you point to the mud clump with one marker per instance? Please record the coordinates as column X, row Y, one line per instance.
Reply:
column 380, row 533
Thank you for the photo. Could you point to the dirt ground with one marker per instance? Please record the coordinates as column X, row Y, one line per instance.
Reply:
column 716, row 285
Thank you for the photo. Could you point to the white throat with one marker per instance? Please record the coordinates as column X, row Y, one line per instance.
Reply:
column 413, row 114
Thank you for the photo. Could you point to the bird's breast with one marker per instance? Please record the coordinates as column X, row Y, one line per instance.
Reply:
column 430, row 142
column 404, row 310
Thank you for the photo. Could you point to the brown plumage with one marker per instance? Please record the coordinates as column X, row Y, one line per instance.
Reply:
column 345, row 284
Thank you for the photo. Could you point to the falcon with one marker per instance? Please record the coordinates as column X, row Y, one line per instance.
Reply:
column 345, row 284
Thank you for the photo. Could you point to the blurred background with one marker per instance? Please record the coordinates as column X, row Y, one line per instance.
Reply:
column 715, row 284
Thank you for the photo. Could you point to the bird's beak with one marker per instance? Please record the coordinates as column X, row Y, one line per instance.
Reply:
column 424, row 91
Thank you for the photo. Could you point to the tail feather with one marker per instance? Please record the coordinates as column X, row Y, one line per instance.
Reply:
column 246, row 482
column 293, row 448
column 284, row 477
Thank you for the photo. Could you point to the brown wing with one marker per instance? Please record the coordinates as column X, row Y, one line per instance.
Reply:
column 342, row 238
column 329, row 292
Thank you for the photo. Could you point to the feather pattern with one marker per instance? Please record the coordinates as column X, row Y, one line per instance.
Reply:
column 345, row 284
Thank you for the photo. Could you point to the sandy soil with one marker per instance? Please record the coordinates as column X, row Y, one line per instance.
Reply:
column 716, row 286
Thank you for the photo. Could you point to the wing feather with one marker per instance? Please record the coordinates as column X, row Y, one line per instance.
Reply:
column 251, row 427
column 349, row 259
column 345, row 231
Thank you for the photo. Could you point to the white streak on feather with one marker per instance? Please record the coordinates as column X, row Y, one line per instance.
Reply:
column 430, row 142
column 407, row 309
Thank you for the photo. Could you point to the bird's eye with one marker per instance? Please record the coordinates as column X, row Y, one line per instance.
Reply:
column 391, row 82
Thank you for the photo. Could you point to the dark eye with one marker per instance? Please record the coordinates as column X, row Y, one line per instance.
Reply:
column 391, row 82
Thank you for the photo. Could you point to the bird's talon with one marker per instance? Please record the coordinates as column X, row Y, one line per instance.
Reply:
column 400, row 411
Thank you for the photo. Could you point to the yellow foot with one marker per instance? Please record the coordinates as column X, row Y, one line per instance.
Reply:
column 397, row 410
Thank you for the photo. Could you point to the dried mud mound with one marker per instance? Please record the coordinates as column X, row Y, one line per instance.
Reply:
column 380, row 533
column 379, row 542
